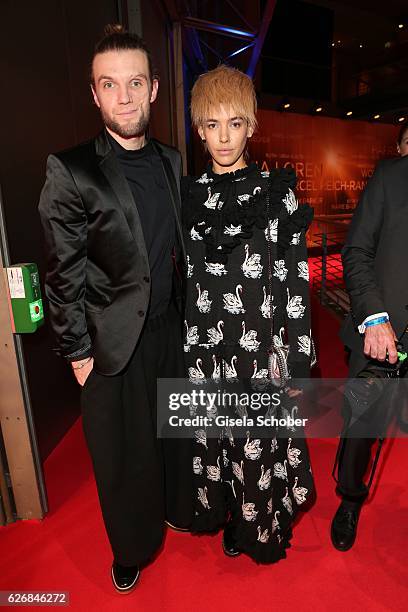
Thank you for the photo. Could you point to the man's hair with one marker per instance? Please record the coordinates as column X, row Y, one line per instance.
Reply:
column 404, row 128
column 227, row 86
column 116, row 38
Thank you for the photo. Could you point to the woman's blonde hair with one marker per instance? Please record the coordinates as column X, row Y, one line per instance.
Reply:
column 227, row 86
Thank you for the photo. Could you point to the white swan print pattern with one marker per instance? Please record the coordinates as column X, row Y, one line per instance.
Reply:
column 271, row 232
column 203, row 302
column 190, row 267
column 195, row 235
column 215, row 335
column 225, row 457
column 202, row 497
column 252, row 450
column 265, row 307
column 299, row 493
column 280, row 270
column 232, row 485
column 290, row 202
column 216, row 269
column 192, row 336
column 303, row 270
column 201, row 437
column 233, row 303
column 204, row 179
column 304, row 345
column 248, row 510
column 292, row 414
column 263, row 536
column 293, row 455
column 214, row 471
column 212, row 200
column 280, row 471
column 264, row 481
column 216, row 373
column 287, row 502
column 248, row 340
column 196, row 374
column 295, row 308
column 233, row 230
column 227, row 333
column 259, row 374
column 230, row 371
column 197, row 465
column 275, row 522
column 252, row 267
column 238, row 471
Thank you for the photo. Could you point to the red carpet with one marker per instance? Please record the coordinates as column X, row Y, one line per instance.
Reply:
column 68, row 551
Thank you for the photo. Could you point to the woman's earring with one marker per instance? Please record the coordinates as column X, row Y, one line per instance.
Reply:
column 203, row 140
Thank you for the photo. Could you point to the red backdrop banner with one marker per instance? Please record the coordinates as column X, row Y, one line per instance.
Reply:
column 333, row 158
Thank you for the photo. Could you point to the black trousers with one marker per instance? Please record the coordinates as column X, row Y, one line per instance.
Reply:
column 354, row 454
column 141, row 480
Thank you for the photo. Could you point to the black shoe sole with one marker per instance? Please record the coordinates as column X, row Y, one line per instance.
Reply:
column 128, row 589
column 353, row 536
column 228, row 552
column 342, row 548
column 175, row 528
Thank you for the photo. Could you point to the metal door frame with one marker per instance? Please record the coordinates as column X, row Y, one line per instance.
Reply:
column 21, row 469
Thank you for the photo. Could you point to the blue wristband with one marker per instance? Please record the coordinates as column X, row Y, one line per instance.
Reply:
column 376, row 321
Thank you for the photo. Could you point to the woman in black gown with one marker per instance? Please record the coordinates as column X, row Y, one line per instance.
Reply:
column 247, row 260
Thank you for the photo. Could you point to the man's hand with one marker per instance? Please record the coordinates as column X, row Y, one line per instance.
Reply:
column 82, row 373
column 379, row 342
column 294, row 392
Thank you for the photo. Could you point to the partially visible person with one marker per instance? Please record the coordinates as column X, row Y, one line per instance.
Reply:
column 402, row 142
column 110, row 210
column 376, row 279
column 247, row 280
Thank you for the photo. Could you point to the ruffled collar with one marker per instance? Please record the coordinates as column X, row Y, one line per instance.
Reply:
column 248, row 215
column 231, row 177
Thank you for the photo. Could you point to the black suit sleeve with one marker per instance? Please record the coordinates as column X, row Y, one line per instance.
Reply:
column 358, row 254
column 64, row 222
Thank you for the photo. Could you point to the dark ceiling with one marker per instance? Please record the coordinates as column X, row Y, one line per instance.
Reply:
column 393, row 9
column 347, row 54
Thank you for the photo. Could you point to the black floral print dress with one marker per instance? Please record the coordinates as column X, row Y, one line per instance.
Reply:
column 233, row 239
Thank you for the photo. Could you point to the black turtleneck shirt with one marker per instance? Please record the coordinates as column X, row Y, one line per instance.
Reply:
column 145, row 175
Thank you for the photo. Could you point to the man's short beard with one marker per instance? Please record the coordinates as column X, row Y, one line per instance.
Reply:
column 135, row 129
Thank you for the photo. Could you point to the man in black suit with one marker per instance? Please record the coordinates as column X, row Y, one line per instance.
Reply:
column 110, row 210
column 376, row 278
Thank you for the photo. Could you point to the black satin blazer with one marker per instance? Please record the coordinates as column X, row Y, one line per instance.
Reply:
column 98, row 276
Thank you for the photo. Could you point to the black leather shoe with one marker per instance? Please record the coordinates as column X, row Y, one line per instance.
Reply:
column 228, row 543
column 344, row 525
column 124, row 578
column 175, row 527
